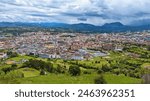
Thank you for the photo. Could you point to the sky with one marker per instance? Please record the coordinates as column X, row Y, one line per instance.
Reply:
column 97, row 12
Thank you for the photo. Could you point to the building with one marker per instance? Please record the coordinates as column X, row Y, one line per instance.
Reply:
column 77, row 57
column 3, row 55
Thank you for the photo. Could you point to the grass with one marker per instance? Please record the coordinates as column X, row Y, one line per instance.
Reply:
column 19, row 58
column 4, row 66
column 29, row 72
column 59, row 79
column 120, row 79
column 32, row 76
column 83, row 79
column 96, row 62
column 146, row 65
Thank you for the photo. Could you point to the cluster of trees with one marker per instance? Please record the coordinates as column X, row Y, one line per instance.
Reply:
column 13, row 75
column 74, row 70
column 138, row 50
column 12, row 54
column 39, row 65
column 60, row 69
column 10, row 73
column 8, row 69
column 43, row 66
column 84, row 65
column 132, row 69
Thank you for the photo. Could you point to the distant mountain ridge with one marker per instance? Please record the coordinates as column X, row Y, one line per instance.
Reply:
column 114, row 24
column 81, row 27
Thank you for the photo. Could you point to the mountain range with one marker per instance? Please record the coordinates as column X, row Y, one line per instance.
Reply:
column 82, row 27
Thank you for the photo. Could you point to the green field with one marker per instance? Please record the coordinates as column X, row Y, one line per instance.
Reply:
column 116, row 68
column 83, row 79
column 29, row 72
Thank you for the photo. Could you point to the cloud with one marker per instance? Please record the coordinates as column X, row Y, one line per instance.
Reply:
column 82, row 19
column 95, row 12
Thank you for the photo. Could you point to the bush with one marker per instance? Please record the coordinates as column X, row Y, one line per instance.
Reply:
column 100, row 80
column 74, row 70
column 106, row 68
column 86, row 72
column 12, row 54
column 13, row 66
column 42, row 72
column 39, row 64
column 8, row 69
column 100, row 71
column 60, row 69
column 116, row 71
column 14, row 75
column 2, row 73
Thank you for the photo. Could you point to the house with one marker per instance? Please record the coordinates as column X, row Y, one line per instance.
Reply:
column 51, row 56
column 77, row 57
column 2, row 44
column 44, row 55
column 3, row 55
column 118, row 48
column 97, row 53
column 108, row 47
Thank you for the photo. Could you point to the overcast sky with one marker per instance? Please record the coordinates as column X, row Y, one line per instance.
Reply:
column 95, row 12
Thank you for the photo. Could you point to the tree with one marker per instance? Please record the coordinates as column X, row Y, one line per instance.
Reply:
column 100, row 71
column 8, row 69
column 116, row 71
column 13, row 66
column 12, row 54
column 100, row 80
column 106, row 68
column 74, row 70
column 39, row 64
column 60, row 69
column 13, row 75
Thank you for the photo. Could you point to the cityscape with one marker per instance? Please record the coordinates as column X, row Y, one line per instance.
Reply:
column 76, row 46
column 74, row 42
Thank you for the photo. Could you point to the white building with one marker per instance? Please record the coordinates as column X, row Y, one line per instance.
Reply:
column 3, row 55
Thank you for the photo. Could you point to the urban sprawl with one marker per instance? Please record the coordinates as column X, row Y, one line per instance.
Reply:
column 76, row 46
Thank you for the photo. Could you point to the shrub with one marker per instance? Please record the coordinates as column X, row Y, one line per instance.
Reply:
column 14, row 74
column 12, row 54
column 100, row 80
column 42, row 72
column 39, row 64
column 2, row 73
column 60, row 69
column 8, row 69
column 74, row 70
column 116, row 71
column 106, row 68
column 100, row 71
column 86, row 72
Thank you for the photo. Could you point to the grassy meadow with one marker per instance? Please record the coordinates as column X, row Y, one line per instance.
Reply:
column 116, row 68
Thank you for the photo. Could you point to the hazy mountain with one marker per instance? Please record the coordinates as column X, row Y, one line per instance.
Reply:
column 142, row 22
column 81, row 27
column 114, row 24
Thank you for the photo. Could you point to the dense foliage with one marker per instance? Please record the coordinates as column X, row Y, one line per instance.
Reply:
column 39, row 64
column 74, row 70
